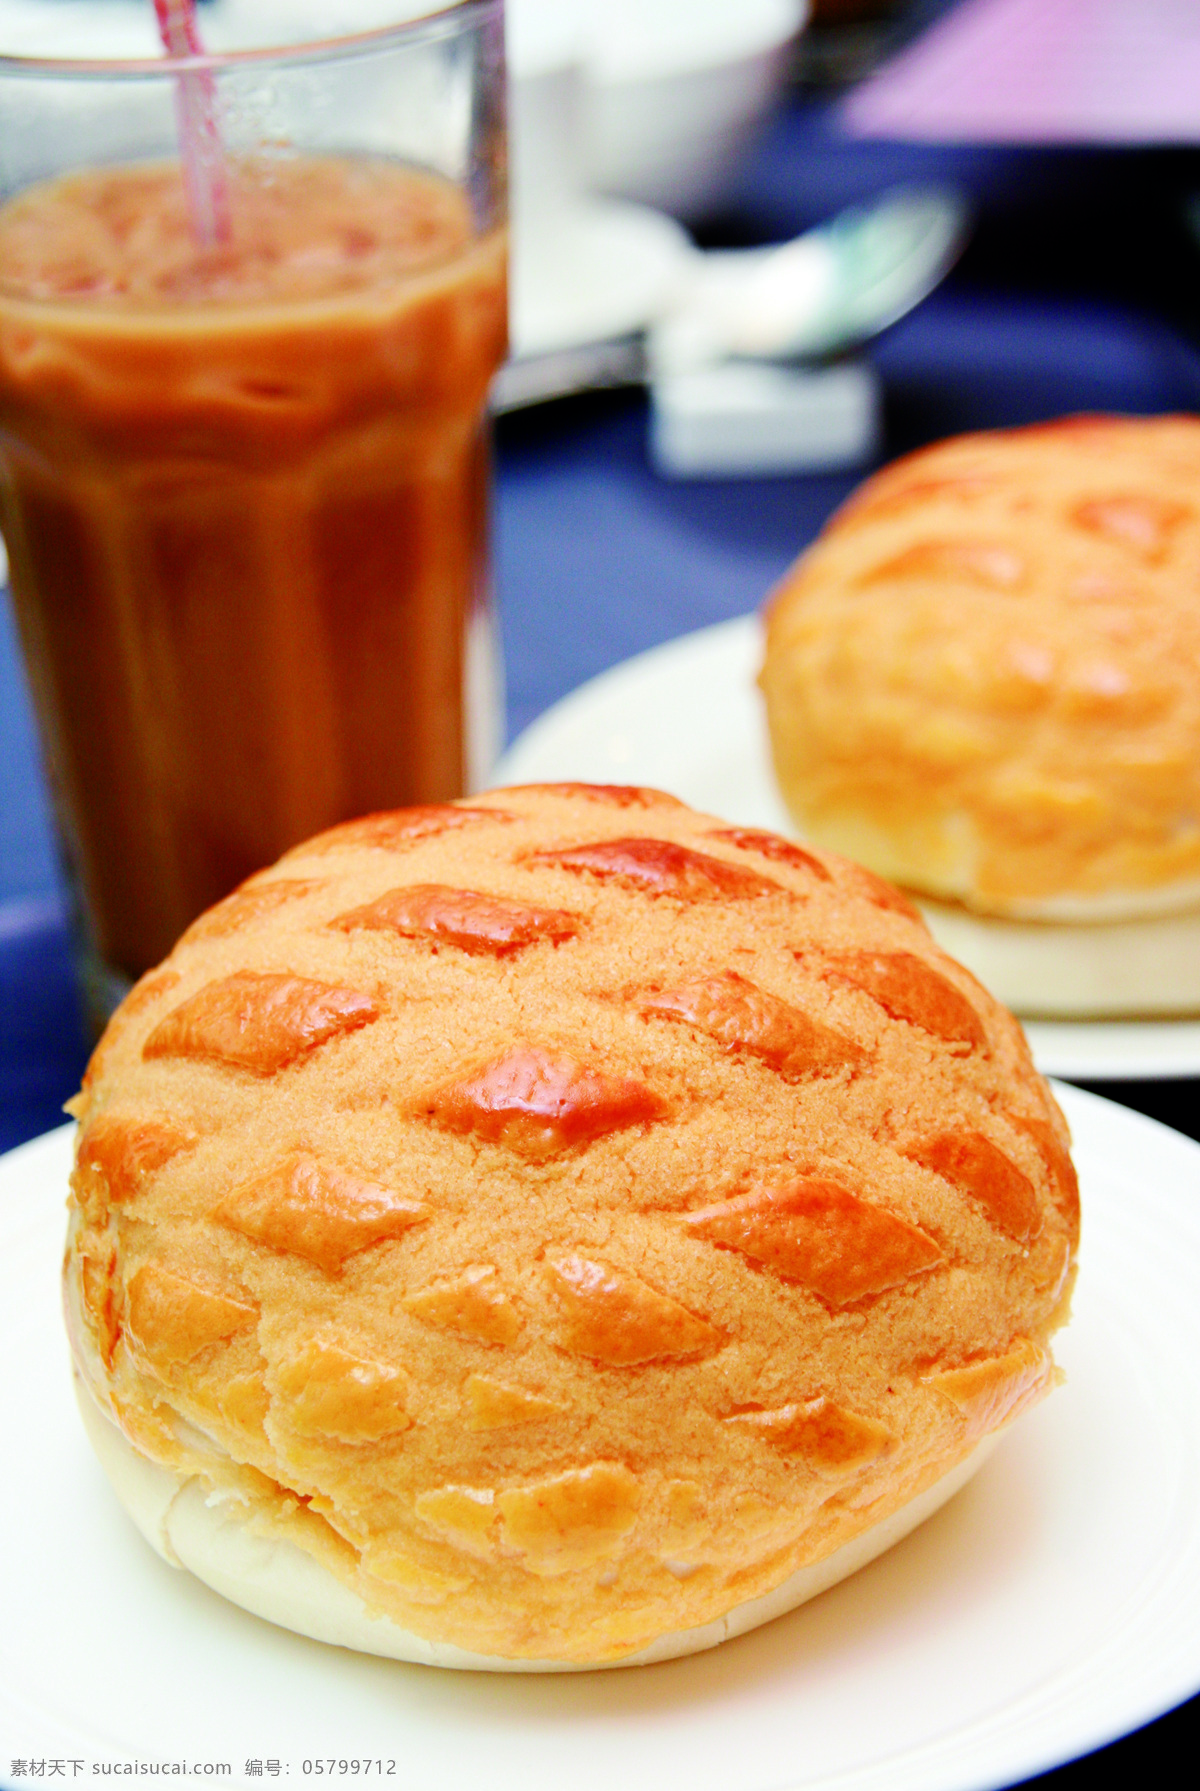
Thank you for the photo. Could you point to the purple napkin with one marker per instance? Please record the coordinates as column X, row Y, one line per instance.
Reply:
column 1042, row 71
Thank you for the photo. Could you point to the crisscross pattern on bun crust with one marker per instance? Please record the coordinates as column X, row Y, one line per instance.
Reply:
column 981, row 678
column 565, row 1216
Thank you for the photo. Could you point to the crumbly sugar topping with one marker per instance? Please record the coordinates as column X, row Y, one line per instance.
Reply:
column 568, row 1220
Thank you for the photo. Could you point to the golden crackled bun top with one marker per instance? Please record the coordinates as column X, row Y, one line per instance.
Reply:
column 565, row 1214
column 982, row 680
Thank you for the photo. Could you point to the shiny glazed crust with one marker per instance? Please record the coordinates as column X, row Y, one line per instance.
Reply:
column 563, row 1216
column 980, row 679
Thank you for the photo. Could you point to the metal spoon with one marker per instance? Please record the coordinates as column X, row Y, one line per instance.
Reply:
column 820, row 294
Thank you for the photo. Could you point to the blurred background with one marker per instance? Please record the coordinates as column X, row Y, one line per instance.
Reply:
column 653, row 473
column 657, row 147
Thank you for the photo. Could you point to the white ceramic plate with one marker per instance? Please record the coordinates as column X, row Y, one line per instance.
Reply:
column 686, row 717
column 612, row 272
column 1047, row 1609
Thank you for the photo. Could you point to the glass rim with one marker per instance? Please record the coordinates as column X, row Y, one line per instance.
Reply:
column 438, row 21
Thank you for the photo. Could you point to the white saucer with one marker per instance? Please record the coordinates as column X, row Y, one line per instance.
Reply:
column 608, row 272
column 1048, row 1608
column 686, row 717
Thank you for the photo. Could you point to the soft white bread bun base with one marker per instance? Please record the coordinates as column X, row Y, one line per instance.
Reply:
column 1073, row 970
column 191, row 1526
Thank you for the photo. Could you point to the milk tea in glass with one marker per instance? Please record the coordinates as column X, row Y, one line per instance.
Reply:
column 244, row 479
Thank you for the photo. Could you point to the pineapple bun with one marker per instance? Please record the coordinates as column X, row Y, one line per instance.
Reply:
column 556, row 1230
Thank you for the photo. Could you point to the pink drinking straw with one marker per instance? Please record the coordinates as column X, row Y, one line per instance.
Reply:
column 200, row 146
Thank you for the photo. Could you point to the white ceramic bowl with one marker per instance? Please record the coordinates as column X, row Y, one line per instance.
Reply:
column 585, row 268
column 674, row 88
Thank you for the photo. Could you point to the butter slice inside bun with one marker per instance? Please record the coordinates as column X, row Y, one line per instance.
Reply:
column 980, row 682
column 556, row 1231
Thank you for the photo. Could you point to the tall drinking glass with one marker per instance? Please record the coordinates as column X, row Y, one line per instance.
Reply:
column 244, row 481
